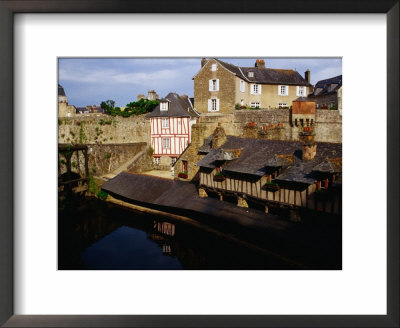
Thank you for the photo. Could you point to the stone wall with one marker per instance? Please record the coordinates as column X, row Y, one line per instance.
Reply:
column 328, row 126
column 103, row 129
column 106, row 158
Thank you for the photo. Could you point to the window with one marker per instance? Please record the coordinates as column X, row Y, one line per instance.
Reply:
column 214, row 67
column 184, row 166
column 301, row 91
column 255, row 105
column 164, row 106
column 283, row 105
column 255, row 89
column 242, row 86
column 157, row 160
column 173, row 160
column 213, row 105
column 214, row 85
column 165, row 143
column 283, row 90
column 165, row 123
column 250, row 74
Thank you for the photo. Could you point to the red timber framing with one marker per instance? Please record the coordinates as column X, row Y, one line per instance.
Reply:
column 175, row 129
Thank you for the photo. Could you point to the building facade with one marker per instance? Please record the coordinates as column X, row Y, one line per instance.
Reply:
column 328, row 93
column 220, row 87
column 170, row 129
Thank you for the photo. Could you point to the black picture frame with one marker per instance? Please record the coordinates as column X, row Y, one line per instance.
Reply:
column 7, row 10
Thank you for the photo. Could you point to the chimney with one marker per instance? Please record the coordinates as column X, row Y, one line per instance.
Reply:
column 203, row 61
column 307, row 76
column 184, row 96
column 218, row 137
column 306, row 136
column 197, row 139
column 260, row 63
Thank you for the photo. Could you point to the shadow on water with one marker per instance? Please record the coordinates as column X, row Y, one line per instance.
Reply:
column 94, row 235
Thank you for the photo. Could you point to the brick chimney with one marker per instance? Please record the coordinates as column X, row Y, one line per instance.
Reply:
column 218, row 137
column 203, row 61
column 260, row 63
column 307, row 136
column 307, row 76
column 184, row 96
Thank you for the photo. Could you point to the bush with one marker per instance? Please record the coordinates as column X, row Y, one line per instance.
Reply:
column 141, row 106
column 102, row 194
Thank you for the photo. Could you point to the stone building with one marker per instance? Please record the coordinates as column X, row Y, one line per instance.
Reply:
column 170, row 129
column 64, row 109
column 328, row 93
column 151, row 95
column 90, row 109
column 219, row 87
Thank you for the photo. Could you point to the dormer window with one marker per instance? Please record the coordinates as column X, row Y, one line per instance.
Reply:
column 250, row 74
column 164, row 106
column 214, row 67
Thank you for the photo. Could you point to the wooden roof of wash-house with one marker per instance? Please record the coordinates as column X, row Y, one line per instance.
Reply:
column 256, row 155
column 177, row 107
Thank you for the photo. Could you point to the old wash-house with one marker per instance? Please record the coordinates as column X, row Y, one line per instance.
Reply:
column 254, row 172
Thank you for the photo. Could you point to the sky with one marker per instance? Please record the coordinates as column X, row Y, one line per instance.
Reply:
column 89, row 81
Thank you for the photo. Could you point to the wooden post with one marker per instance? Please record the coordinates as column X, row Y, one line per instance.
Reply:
column 86, row 163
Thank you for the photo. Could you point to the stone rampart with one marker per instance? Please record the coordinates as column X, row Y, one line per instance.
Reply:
column 104, row 158
column 103, row 129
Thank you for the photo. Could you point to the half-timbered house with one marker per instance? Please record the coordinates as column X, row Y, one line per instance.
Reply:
column 170, row 128
column 256, row 172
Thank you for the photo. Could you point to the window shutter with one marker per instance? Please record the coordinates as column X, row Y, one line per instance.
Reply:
column 279, row 89
column 209, row 104
column 297, row 91
column 259, row 89
column 252, row 89
column 217, row 104
column 287, row 90
column 210, row 85
column 217, row 84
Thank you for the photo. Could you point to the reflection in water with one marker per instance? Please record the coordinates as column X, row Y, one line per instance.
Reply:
column 97, row 235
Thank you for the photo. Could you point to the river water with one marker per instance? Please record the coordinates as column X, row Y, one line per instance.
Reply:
column 94, row 235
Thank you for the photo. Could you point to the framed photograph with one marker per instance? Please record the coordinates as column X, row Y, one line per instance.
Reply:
column 231, row 117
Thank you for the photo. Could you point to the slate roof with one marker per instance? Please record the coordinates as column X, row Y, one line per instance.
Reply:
column 330, row 165
column 327, row 86
column 61, row 91
column 258, row 154
column 178, row 107
column 266, row 75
